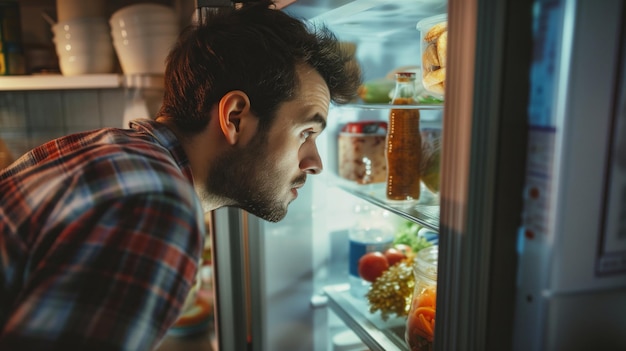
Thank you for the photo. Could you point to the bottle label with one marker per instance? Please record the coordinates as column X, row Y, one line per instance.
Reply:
column 403, row 154
column 358, row 249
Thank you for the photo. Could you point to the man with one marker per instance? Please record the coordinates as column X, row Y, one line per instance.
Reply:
column 102, row 231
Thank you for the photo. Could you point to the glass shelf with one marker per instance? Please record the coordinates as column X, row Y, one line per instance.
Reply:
column 424, row 212
column 377, row 334
column 365, row 106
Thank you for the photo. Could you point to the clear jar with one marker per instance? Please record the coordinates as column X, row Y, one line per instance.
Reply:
column 434, row 47
column 362, row 152
column 420, row 324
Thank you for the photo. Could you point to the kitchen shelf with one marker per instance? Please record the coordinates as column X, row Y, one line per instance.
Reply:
column 87, row 81
column 425, row 212
column 377, row 334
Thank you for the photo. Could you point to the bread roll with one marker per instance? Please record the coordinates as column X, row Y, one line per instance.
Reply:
column 438, row 88
column 434, row 77
column 434, row 57
column 434, row 32
column 430, row 59
column 442, row 48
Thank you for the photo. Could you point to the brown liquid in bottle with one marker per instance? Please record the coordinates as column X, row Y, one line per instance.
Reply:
column 404, row 149
column 404, row 144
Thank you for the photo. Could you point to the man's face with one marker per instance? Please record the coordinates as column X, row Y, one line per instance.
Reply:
column 264, row 176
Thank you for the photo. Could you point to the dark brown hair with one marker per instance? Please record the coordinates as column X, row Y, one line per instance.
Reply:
column 254, row 49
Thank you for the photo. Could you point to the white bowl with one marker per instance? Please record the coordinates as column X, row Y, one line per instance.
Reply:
column 73, row 65
column 145, row 9
column 146, row 31
column 144, row 55
column 81, row 32
column 68, row 38
column 95, row 48
column 143, row 19
column 81, row 25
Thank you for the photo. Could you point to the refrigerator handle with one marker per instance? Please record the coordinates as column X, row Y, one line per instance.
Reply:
column 231, row 285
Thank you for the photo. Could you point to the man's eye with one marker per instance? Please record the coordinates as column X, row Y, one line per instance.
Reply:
column 306, row 134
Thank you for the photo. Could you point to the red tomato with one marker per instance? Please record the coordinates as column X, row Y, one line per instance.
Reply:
column 394, row 255
column 405, row 249
column 372, row 265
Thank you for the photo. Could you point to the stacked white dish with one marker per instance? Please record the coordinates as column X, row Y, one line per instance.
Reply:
column 143, row 35
column 83, row 46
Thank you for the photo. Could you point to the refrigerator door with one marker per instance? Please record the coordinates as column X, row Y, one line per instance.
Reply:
column 572, row 244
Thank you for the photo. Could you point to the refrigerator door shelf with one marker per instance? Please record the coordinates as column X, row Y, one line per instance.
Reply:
column 377, row 334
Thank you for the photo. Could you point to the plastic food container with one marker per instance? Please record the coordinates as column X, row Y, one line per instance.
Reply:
column 362, row 152
column 434, row 48
column 420, row 325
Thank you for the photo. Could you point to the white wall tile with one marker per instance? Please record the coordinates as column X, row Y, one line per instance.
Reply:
column 31, row 118
column 12, row 111
column 44, row 111
column 81, row 109
column 112, row 107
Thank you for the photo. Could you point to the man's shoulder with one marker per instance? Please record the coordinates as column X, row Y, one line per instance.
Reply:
column 98, row 164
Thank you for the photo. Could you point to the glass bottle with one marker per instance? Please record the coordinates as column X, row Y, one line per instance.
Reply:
column 420, row 323
column 404, row 143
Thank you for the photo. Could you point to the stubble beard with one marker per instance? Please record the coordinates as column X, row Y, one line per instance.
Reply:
column 246, row 179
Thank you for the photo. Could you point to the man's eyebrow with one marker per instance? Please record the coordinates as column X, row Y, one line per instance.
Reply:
column 317, row 118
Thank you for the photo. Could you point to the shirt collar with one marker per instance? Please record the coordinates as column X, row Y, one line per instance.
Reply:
column 166, row 138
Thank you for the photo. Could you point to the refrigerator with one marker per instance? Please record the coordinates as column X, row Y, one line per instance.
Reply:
column 531, row 215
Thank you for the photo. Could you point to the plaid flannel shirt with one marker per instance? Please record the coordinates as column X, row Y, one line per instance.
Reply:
column 101, row 234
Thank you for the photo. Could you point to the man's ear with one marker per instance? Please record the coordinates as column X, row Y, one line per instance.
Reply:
column 235, row 116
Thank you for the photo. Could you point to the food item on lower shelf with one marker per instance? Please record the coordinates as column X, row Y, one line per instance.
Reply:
column 394, row 255
column 372, row 265
column 391, row 292
column 362, row 152
column 420, row 324
column 421, row 320
column 409, row 234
